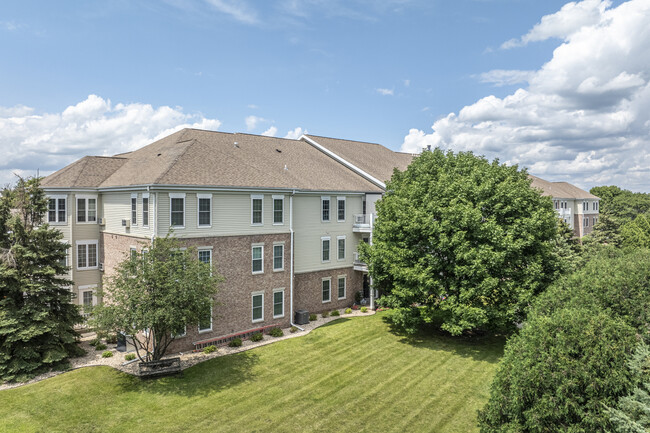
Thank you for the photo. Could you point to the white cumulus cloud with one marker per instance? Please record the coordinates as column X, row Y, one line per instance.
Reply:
column 386, row 92
column 584, row 117
column 270, row 132
column 295, row 133
column 95, row 126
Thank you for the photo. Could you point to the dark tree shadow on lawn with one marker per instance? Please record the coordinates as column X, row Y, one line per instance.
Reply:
column 479, row 346
column 203, row 379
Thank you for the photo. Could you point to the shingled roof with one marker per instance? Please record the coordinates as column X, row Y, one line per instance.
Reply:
column 374, row 159
column 208, row 158
column 560, row 189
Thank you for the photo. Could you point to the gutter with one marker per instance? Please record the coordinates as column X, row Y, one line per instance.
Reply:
column 291, row 264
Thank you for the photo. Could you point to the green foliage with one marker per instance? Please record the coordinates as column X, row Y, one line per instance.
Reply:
column 636, row 233
column 357, row 297
column 325, row 314
column 129, row 357
column 258, row 336
column 312, row 317
column 467, row 240
column 235, row 342
column 100, row 346
column 568, row 248
column 94, row 342
column 37, row 316
column 569, row 360
column 293, row 329
column 348, row 311
column 632, row 412
column 107, row 354
column 161, row 291
column 209, row 349
column 276, row 332
column 364, row 309
column 111, row 339
column 618, row 208
column 335, row 313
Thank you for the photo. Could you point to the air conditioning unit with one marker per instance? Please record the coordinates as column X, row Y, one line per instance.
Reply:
column 101, row 267
column 126, row 223
column 102, row 221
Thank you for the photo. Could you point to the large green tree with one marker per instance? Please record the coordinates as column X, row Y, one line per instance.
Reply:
column 37, row 317
column 461, row 240
column 618, row 208
column 154, row 294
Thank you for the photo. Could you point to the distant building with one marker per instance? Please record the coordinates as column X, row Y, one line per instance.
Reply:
column 575, row 206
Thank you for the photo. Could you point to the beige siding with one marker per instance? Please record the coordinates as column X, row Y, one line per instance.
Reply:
column 231, row 216
column 308, row 230
column 83, row 231
column 117, row 207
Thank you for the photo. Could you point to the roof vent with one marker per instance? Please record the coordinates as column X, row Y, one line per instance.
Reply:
column 236, row 144
column 285, row 167
column 159, row 154
column 278, row 150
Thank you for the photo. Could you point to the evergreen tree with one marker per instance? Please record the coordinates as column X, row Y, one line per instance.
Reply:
column 37, row 317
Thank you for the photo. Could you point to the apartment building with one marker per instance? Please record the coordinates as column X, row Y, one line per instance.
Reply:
column 279, row 219
column 577, row 207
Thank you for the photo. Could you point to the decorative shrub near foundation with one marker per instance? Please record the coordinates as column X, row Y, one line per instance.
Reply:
column 335, row 313
column 312, row 317
column 209, row 349
column 107, row 354
column 325, row 313
column 100, row 346
column 276, row 332
column 129, row 357
column 348, row 311
column 235, row 342
column 364, row 309
column 258, row 336
column 293, row 329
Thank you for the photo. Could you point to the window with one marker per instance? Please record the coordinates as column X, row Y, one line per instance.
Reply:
column 145, row 210
column 340, row 209
column 87, row 254
column 63, row 262
column 325, row 249
column 595, row 220
column 325, row 209
column 597, row 205
column 87, row 298
column 341, row 281
column 134, row 209
column 257, row 209
column 258, row 259
column 278, row 303
column 278, row 209
column 585, row 222
column 56, row 209
column 327, row 289
column 278, row 257
column 205, row 323
column 86, row 209
column 177, row 210
column 258, row 307
column 205, row 210
column 340, row 240
column 133, row 253
column 556, row 203
column 205, row 256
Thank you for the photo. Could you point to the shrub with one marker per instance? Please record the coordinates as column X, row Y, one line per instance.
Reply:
column 312, row 317
column 276, row 332
column 357, row 297
column 258, row 336
column 364, row 309
column 209, row 349
column 348, row 311
column 325, row 313
column 107, row 354
column 111, row 339
column 235, row 342
column 94, row 342
column 293, row 329
column 129, row 357
column 335, row 313
column 100, row 346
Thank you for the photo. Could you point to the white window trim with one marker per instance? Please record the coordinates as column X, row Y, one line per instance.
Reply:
column 345, row 210
column 253, row 246
column 322, row 199
column 76, row 204
column 345, row 286
column 322, row 239
column 172, row 196
column 198, row 254
column 203, row 331
column 87, row 288
column 198, row 198
column 257, row 197
column 56, row 199
column 278, row 244
column 274, row 198
column 330, row 291
column 134, row 196
column 86, row 243
column 146, row 195
column 252, row 296
column 345, row 247
column 274, row 292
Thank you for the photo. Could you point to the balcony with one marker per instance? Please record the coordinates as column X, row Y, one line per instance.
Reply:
column 563, row 213
column 362, row 223
column 358, row 264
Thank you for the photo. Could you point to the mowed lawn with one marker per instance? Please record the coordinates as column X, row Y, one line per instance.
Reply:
column 351, row 375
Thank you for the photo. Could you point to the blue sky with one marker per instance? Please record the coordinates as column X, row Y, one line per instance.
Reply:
column 83, row 78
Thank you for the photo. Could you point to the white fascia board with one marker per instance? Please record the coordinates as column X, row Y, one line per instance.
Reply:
column 346, row 163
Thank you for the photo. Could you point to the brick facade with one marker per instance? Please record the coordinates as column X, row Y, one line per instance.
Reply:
column 308, row 295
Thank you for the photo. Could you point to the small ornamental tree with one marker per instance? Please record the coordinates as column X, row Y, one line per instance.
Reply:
column 37, row 316
column 154, row 294
column 461, row 241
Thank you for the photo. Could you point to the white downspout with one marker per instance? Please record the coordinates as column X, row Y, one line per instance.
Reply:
column 372, row 290
column 291, row 264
